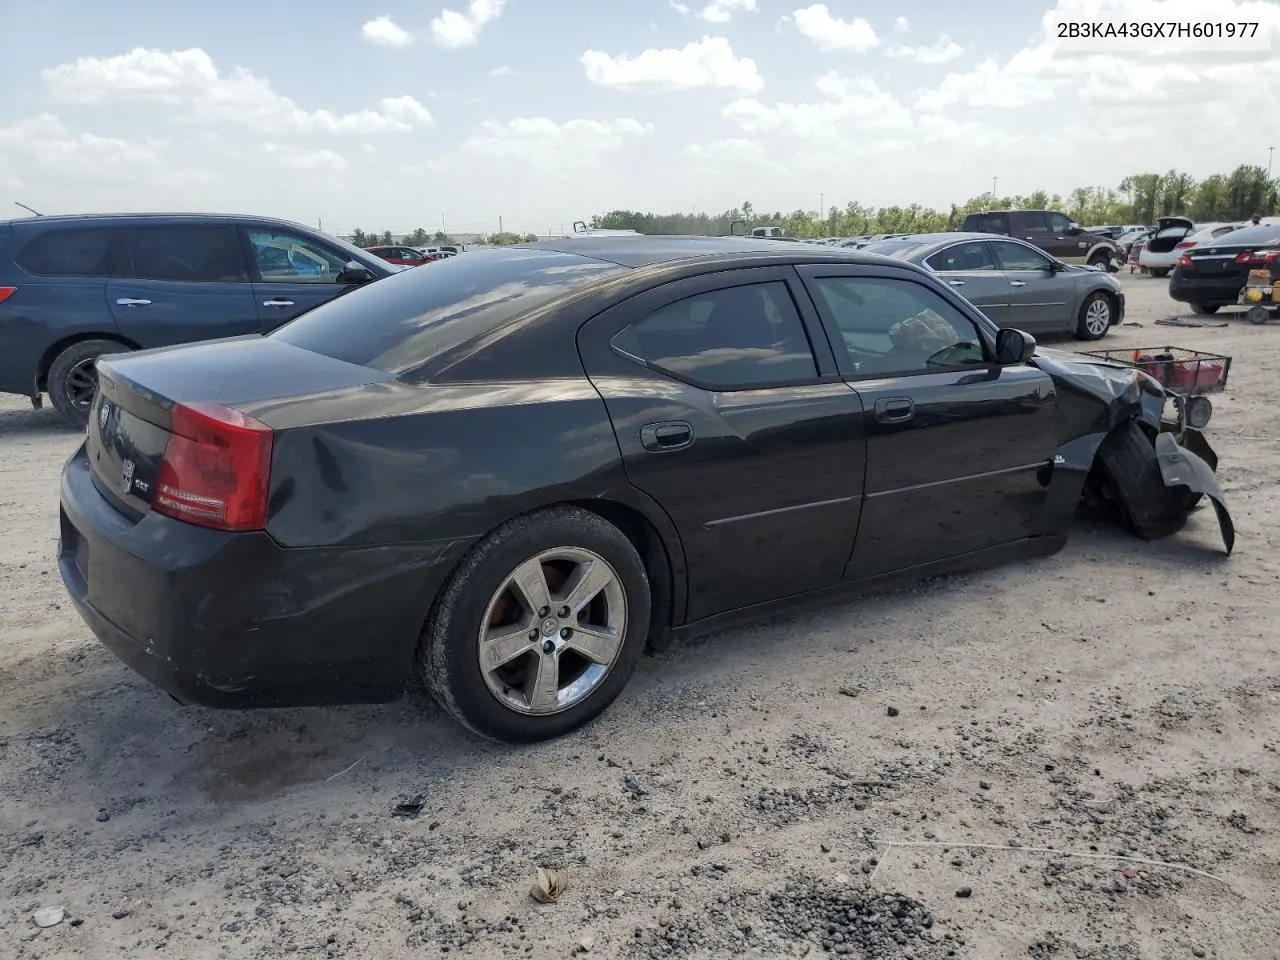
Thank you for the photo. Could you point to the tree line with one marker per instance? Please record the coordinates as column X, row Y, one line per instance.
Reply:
column 1139, row 199
column 420, row 238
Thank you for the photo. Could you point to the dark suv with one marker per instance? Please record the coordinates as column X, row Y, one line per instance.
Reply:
column 1053, row 232
column 75, row 288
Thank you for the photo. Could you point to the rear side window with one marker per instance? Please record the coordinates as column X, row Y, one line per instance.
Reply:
column 190, row 253
column 76, row 252
column 739, row 337
column 401, row 322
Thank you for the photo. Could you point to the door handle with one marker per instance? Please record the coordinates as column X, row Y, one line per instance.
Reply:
column 130, row 302
column 1017, row 283
column 277, row 303
column 956, row 283
column 895, row 409
column 661, row 437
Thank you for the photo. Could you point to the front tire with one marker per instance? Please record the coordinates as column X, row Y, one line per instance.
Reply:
column 1205, row 309
column 539, row 628
column 1132, row 479
column 72, row 382
column 1095, row 317
column 1102, row 260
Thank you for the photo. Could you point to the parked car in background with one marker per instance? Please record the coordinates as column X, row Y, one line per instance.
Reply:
column 78, row 287
column 1053, row 232
column 1115, row 231
column 1160, row 263
column 1014, row 283
column 1158, row 256
column 1126, row 241
column 1211, row 274
column 507, row 475
column 401, row 256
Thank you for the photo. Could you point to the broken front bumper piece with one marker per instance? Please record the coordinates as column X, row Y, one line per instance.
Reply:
column 1181, row 466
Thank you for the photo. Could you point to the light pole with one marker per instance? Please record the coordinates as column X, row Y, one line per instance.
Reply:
column 1271, row 152
column 994, row 181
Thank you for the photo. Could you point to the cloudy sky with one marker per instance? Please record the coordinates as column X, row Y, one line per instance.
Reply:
column 390, row 116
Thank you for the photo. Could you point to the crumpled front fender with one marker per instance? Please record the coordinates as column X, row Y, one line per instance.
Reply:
column 1180, row 467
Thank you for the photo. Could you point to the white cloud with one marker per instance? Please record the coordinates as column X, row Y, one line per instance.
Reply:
column 831, row 33
column 717, row 11
column 307, row 161
column 942, row 51
column 385, row 32
column 543, row 143
column 453, row 30
column 46, row 141
column 852, row 105
column 708, row 63
column 189, row 80
column 502, row 71
column 902, row 25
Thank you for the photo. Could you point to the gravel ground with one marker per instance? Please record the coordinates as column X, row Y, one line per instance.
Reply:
column 1080, row 762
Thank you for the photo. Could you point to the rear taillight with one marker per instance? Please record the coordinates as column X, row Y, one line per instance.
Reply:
column 6, row 293
column 1184, row 244
column 216, row 468
column 1184, row 261
column 1258, row 258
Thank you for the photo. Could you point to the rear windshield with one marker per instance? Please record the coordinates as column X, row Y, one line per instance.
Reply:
column 894, row 248
column 399, row 323
column 1267, row 235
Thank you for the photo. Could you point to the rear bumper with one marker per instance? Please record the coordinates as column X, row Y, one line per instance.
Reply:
column 235, row 620
column 1204, row 290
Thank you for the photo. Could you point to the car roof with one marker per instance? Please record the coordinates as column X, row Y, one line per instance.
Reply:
column 646, row 250
column 96, row 218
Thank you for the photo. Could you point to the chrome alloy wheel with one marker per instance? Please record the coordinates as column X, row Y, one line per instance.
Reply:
column 1097, row 318
column 552, row 631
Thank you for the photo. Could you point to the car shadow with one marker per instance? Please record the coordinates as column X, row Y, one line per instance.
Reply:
column 93, row 735
column 35, row 423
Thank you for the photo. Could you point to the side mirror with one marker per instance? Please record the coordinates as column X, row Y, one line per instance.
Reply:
column 1057, row 266
column 1013, row 347
column 1074, row 229
column 355, row 272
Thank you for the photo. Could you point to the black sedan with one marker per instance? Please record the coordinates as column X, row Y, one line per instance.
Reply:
column 512, row 471
column 1210, row 275
column 1014, row 283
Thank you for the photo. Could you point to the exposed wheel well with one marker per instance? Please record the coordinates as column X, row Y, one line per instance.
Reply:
column 46, row 361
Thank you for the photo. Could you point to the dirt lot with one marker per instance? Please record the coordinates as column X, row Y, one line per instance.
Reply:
column 750, row 795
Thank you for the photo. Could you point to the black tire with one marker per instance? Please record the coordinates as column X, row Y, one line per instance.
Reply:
column 1205, row 309
column 1087, row 315
column 66, row 382
column 448, row 653
column 1101, row 259
column 1159, row 271
column 1258, row 315
column 1132, row 479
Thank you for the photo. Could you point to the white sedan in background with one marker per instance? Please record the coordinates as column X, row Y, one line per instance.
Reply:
column 1174, row 236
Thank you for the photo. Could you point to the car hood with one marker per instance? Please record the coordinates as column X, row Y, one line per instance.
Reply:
column 1117, row 386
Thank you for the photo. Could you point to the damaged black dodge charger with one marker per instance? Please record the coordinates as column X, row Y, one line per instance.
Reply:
column 510, row 472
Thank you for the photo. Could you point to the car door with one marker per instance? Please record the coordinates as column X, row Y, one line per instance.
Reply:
column 726, row 418
column 291, row 273
column 1041, row 296
column 959, row 448
column 969, row 267
column 1063, row 243
column 182, row 282
column 1031, row 226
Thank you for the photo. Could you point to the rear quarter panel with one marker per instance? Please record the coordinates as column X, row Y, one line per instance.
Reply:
column 43, row 312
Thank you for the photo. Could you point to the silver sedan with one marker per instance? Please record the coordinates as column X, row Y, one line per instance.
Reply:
column 1014, row 283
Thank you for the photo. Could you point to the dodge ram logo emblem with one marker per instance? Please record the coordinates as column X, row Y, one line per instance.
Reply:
column 104, row 414
column 126, row 476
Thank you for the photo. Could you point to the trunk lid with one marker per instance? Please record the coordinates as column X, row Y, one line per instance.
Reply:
column 129, row 425
column 1168, row 233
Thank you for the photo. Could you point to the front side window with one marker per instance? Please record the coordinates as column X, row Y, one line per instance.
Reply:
column 969, row 256
column 738, row 337
column 1014, row 256
column 287, row 258
column 893, row 326
column 1059, row 223
column 78, row 252
column 185, row 253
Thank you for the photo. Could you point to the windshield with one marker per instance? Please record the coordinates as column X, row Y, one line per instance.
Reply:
column 902, row 249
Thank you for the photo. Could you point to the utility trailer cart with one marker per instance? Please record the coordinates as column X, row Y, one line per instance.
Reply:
column 1186, row 375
